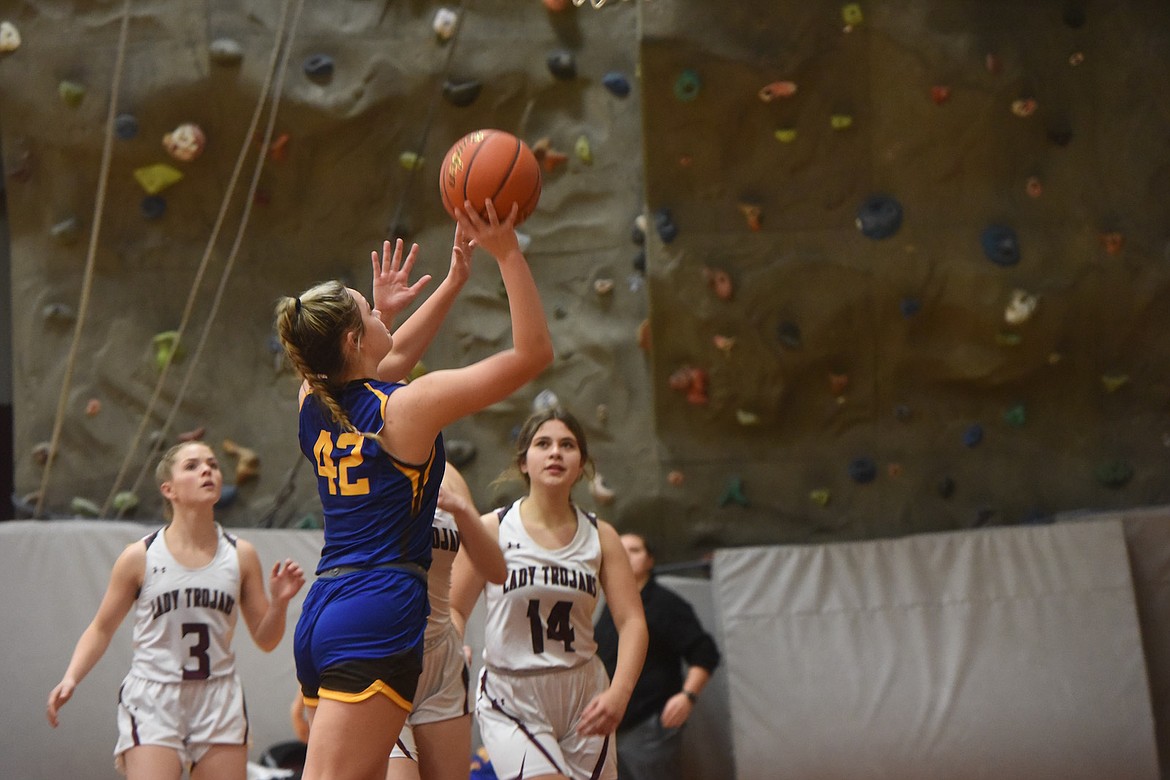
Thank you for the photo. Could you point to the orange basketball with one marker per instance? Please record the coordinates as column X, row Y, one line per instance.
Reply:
column 490, row 164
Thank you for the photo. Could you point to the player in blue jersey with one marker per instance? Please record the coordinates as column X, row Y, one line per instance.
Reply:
column 378, row 454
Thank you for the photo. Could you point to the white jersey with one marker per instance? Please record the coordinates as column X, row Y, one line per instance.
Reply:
column 444, row 546
column 542, row 616
column 184, row 618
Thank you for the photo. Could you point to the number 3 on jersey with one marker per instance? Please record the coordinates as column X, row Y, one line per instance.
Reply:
column 337, row 476
column 559, row 628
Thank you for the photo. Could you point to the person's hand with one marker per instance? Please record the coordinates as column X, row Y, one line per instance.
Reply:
column 461, row 250
column 286, row 579
column 454, row 502
column 495, row 237
column 678, row 708
column 57, row 698
column 393, row 291
column 602, row 715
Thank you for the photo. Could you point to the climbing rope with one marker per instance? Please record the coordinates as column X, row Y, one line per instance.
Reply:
column 277, row 65
column 90, row 257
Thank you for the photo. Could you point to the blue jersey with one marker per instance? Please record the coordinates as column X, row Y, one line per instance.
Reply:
column 377, row 508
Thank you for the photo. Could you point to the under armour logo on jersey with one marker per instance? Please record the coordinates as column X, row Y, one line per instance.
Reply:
column 158, row 570
column 513, row 546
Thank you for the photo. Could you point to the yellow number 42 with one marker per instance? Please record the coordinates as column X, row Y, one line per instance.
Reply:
column 336, row 472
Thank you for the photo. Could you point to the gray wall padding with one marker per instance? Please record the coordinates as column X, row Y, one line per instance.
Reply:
column 1000, row 653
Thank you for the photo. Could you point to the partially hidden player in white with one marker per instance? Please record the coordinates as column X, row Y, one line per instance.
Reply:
column 546, row 707
column 182, row 704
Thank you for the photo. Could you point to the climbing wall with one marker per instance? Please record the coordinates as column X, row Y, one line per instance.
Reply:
column 907, row 261
column 813, row 270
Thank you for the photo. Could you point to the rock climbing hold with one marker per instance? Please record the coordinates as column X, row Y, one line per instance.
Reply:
column 838, row 383
column 894, row 470
column 643, row 335
column 166, row 348
column 639, row 262
column 687, row 86
column 1034, row 187
column 1016, row 416
column 124, row 503
column 1000, row 245
column 720, row 282
column 247, row 461
column 601, row 413
column 40, row 453
column 777, row 89
column 1024, row 107
column 410, row 161
column 638, row 230
column 851, row 13
column 195, row 434
column 973, row 435
column 940, row 94
column 603, row 286
column 733, row 493
column 444, row 23
column 1114, row 382
column 419, row 369
column 83, row 507
column 1076, row 58
column 153, row 206
column 785, row 135
column 820, row 496
column 601, row 492
column 691, row 381
column 524, row 240
column 751, row 213
column 1019, row 308
column 225, row 51
column 548, row 157
column 460, row 452
column 318, row 67
column 9, row 37
column 93, row 407
column 746, row 419
column 879, row 216
column 676, row 478
column 156, row 178
column 67, row 230
column 58, row 312
column 545, row 400
column 278, row 148
column 902, row 412
column 909, row 307
column 562, row 64
column 1113, row 242
column 841, row 121
column 983, row 516
column 125, row 126
column 185, row 143
column 789, row 335
column 1114, row 473
column 685, row 161
column 582, row 149
column 724, row 344
column 664, row 225
column 946, row 487
column 71, row 93
column 862, row 470
column 462, row 93
column 617, row 83
column 993, row 64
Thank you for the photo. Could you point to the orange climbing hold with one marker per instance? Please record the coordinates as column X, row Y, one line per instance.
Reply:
column 777, row 89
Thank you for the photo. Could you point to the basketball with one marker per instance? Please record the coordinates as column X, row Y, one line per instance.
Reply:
column 490, row 164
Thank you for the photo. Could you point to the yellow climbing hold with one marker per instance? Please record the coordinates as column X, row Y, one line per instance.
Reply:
column 411, row 161
column 820, row 497
column 583, row 150
column 840, row 121
column 851, row 13
column 156, row 178
column 166, row 348
column 785, row 135
column 746, row 418
column 1114, row 382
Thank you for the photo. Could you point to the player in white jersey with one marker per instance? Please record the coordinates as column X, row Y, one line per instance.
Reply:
column 546, row 707
column 182, row 706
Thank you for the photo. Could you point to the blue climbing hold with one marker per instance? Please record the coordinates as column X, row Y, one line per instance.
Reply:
column 664, row 224
column 862, row 470
column 153, row 206
column 562, row 64
column 125, row 126
column 789, row 335
column 879, row 216
column 1000, row 245
column 910, row 307
column 318, row 66
column 973, row 435
column 617, row 83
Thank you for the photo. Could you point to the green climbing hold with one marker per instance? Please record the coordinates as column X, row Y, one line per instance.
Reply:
column 1016, row 416
column 841, row 121
column 83, row 507
column 785, row 135
column 851, row 13
column 820, row 497
column 166, row 348
column 687, row 85
column 411, row 161
column 71, row 93
column 125, row 502
column 583, row 150
column 733, row 493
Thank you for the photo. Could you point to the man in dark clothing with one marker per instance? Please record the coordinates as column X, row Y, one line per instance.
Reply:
column 649, row 736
